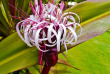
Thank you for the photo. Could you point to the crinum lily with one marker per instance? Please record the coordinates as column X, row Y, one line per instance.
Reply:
column 49, row 22
column 95, row 20
column 47, row 29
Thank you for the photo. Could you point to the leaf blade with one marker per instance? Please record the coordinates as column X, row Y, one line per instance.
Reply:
column 19, row 46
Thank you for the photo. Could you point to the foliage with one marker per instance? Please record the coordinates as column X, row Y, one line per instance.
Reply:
column 90, row 57
column 78, row 1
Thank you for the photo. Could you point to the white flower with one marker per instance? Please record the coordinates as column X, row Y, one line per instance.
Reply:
column 48, row 27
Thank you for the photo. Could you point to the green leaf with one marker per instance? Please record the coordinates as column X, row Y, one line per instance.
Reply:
column 15, row 54
column 4, row 25
column 57, row 1
column 4, row 31
column 34, row 69
column 88, row 10
column 92, row 28
column 91, row 57
column 6, row 7
column 25, row 5
column 3, row 12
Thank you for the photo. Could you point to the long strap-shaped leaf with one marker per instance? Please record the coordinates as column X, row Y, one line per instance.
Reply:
column 15, row 54
column 92, row 28
column 88, row 10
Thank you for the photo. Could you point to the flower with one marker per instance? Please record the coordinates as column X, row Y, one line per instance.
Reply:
column 49, row 27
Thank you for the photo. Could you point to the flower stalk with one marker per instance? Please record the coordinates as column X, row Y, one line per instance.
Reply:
column 51, row 59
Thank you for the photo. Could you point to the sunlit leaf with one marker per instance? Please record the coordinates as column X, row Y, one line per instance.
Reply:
column 92, row 28
column 4, row 13
column 91, row 57
column 15, row 54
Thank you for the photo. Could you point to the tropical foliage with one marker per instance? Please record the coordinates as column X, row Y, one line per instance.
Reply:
column 90, row 57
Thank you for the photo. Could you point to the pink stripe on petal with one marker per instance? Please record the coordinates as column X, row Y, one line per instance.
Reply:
column 49, row 26
column 41, row 7
column 33, row 10
column 62, row 5
column 36, row 3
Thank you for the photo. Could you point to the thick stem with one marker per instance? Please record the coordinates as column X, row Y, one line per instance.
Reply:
column 51, row 58
column 46, row 69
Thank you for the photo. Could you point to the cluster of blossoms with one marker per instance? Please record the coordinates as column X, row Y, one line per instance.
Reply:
column 49, row 27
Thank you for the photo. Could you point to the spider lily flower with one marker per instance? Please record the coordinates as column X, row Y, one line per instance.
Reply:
column 49, row 27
